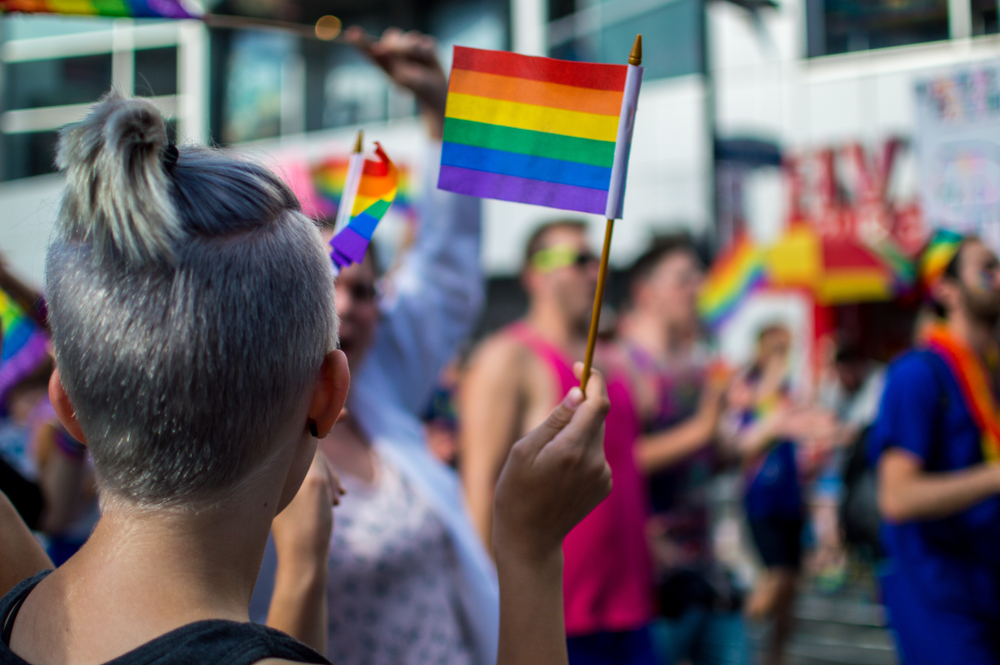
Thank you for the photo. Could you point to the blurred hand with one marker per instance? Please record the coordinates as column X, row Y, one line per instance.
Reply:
column 410, row 60
column 553, row 477
column 302, row 530
column 809, row 424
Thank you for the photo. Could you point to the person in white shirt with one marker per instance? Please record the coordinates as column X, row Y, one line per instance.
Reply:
column 409, row 581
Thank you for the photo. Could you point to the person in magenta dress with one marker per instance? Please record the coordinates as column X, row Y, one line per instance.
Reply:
column 513, row 379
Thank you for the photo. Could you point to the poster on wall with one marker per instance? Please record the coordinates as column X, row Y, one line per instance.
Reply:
column 958, row 148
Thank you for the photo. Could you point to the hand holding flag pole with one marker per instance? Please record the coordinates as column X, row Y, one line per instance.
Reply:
column 355, row 164
column 626, row 123
column 543, row 131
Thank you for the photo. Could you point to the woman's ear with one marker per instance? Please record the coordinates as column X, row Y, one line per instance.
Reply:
column 330, row 392
column 63, row 407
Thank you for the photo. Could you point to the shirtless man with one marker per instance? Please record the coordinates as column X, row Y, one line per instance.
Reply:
column 514, row 379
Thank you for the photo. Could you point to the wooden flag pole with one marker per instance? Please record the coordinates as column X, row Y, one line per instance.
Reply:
column 634, row 58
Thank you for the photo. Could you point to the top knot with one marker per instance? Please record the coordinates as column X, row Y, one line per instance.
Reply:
column 117, row 195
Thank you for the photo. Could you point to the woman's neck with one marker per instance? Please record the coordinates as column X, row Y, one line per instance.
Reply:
column 143, row 573
column 350, row 451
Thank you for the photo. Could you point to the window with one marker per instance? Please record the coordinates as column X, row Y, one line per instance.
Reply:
column 40, row 83
column 604, row 32
column 843, row 26
column 156, row 72
column 984, row 17
column 54, row 69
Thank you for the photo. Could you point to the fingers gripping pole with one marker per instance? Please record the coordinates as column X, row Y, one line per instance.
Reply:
column 595, row 317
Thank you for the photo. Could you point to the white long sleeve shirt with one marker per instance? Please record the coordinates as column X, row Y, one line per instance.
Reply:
column 430, row 306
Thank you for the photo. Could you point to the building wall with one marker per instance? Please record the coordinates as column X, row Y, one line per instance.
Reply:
column 766, row 87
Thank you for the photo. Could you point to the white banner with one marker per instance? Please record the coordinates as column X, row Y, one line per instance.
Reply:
column 958, row 148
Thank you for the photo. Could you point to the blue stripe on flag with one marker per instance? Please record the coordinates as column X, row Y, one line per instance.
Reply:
column 526, row 166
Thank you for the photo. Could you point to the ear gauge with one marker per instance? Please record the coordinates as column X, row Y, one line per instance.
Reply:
column 313, row 430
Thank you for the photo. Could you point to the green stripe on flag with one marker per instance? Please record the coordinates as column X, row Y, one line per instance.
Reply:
column 527, row 142
column 378, row 209
column 112, row 8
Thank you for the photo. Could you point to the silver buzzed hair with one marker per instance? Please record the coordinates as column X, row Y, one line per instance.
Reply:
column 191, row 306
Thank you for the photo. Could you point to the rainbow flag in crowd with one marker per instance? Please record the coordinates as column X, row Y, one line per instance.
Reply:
column 736, row 272
column 538, row 130
column 376, row 191
column 25, row 345
column 125, row 8
column 330, row 175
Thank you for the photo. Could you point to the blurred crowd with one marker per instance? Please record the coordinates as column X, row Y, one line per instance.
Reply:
column 408, row 573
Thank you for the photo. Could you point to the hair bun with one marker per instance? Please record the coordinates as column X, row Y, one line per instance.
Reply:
column 117, row 195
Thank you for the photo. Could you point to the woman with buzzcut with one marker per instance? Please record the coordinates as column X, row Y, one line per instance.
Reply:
column 195, row 332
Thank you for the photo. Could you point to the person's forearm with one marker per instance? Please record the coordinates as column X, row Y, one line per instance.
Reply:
column 479, row 498
column 21, row 556
column 298, row 604
column 928, row 496
column 434, row 120
column 660, row 451
column 532, row 628
column 62, row 481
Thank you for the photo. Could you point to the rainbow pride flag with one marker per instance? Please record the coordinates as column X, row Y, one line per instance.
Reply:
column 376, row 191
column 735, row 273
column 330, row 175
column 124, row 8
column 538, row 130
column 25, row 345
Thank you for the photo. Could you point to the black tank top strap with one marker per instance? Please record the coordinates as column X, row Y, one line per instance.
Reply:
column 214, row 641
column 222, row 642
column 10, row 605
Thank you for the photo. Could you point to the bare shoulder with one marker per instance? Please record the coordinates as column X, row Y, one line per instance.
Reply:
column 499, row 357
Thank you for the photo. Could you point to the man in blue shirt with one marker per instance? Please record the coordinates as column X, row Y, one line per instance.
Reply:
column 938, row 496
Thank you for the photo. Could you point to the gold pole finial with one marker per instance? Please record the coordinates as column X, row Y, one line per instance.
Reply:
column 359, row 141
column 635, row 57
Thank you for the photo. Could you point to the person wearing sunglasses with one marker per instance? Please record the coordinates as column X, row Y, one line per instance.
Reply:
column 513, row 379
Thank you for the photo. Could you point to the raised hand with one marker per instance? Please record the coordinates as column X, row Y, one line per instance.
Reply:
column 554, row 476
column 302, row 540
column 410, row 60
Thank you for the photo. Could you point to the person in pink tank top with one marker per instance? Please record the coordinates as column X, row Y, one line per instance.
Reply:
column 513, row 380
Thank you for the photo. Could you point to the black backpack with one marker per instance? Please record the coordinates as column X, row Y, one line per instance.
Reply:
column 859, row 515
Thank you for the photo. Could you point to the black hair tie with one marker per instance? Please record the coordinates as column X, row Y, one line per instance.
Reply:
column 170, row 156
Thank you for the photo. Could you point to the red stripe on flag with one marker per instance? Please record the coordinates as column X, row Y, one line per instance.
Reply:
column 579, row 74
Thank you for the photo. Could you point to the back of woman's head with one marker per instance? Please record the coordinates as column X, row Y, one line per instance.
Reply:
column 191, row 305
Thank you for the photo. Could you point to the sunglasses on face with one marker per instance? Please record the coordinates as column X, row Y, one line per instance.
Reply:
column 561, row 256
column 362, row 292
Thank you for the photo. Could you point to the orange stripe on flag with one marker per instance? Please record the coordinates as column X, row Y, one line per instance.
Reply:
column 539, row 93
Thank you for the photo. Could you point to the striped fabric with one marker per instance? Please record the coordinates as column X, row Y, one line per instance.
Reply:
column 376, row 191
column 330, row 175
column 532, row 130
column 127, row 8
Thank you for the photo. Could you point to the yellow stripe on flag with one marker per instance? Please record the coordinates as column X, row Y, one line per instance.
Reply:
column 531, row 117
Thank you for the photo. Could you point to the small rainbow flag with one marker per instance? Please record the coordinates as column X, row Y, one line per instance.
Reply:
column 125, row 8
column 25, row 345
column 538, row 130
column 735, row 273
column 376, row 191
column 330, row 175
column 940, row 250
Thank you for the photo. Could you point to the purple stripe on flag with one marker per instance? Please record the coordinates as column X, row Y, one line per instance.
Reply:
column 350, row 244
column 522, row 190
